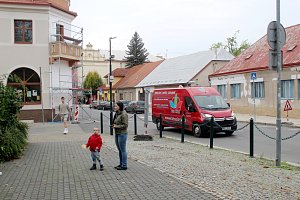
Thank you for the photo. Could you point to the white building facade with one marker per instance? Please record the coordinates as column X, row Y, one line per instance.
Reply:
column 37, row 46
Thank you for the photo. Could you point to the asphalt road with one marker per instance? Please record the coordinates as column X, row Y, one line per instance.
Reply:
column 239, row 141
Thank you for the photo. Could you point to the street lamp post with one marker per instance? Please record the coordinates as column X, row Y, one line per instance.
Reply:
column 110, row 87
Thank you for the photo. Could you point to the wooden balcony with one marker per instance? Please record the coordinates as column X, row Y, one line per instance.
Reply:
column 64, row 51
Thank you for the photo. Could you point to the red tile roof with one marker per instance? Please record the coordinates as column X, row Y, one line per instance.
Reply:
column 60, row 5
column 136, row 74
column 119, row 72
column 256, row 57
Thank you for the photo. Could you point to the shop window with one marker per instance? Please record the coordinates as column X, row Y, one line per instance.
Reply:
column 27, row 83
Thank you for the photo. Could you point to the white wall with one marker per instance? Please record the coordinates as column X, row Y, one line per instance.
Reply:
column 35, row 55
column 56, row 16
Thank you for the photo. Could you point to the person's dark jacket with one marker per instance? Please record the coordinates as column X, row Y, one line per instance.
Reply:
column 121, row 122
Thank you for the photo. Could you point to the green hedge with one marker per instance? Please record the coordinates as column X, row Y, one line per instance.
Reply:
column 13, row 141
column 13, row 133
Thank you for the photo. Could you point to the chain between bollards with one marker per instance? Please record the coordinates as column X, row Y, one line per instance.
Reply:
column 160, row 127
column 211, row 141
column 182, row 128
column 101, row 122
column 251, row 138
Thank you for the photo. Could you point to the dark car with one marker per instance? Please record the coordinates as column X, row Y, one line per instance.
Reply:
column 135, row 107
column 125, row 103
column 104, row 105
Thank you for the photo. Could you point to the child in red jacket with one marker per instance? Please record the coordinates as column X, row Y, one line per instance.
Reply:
column 95, row 144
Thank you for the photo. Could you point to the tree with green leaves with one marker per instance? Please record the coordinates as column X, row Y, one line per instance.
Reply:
column 136, row 53
column 232, row 45
column 92, row 80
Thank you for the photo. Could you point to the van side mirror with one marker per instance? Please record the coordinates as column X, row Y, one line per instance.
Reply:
column 228, row 104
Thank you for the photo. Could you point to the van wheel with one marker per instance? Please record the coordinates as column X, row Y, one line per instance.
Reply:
column 158, row 124
column 197, row 131
column 229, row 133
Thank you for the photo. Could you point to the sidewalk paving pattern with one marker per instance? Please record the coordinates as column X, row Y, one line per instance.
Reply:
column 55, row 166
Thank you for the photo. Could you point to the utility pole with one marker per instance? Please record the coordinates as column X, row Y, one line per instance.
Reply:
column 110, row 88
column 279, row 62
column 276, row 39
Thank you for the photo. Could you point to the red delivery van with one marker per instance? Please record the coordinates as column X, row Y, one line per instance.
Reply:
column 198, row 105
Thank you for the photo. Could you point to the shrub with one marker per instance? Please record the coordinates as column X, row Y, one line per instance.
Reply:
column 13, row 133
column 13, row 141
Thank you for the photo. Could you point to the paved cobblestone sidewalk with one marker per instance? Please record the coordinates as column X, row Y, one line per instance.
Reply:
column 55, row 166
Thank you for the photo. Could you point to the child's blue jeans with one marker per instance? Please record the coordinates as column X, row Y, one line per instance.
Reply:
column 95, row 155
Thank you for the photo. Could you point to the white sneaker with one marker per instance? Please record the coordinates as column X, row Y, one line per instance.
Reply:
column 65, row 131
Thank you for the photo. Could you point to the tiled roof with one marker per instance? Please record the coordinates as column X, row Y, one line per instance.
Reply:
column 61, row 5
column 180, row 70
column 136, row 74
column 119, row 72
column 256, row 57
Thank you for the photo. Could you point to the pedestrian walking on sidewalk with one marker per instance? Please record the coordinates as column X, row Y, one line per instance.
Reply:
column 95, row 144
column 64, row 111
column 120, row 124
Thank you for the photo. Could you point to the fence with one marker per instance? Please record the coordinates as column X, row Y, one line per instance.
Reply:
column 212, row 124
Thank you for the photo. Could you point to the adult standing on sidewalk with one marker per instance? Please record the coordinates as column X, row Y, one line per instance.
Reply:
column 64, row 111
column 120, row 124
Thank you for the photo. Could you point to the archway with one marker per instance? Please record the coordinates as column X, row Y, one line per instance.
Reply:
column 27, row 82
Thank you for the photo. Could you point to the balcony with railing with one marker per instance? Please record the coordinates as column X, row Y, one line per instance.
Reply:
column 65, row 51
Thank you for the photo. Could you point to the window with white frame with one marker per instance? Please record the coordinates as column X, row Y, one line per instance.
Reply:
column 222, row 90
column 257, row 90
column 287, row 89
column 235, row 90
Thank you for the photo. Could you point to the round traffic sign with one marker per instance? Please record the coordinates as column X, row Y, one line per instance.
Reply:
column 271, row 34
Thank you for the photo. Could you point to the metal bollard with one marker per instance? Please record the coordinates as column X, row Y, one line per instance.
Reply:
column 211, row 141
column 135, row 124
column 160, row 128
column 182, row 128
column 251, row 138
column 101, row 122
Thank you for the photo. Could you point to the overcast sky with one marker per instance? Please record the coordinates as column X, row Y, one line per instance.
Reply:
column 178, row 27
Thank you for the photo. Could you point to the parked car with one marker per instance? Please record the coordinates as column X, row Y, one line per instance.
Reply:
column 135, row 107
column 125, row 103
column 94, row 104
column 104, row 105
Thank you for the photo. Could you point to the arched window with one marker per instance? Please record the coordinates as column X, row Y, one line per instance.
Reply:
column 27, row 82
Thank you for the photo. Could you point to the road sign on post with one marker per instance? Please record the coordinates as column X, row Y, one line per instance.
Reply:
column 287, row 107
column 272, row 36
column 253, row 78
column 253, row 75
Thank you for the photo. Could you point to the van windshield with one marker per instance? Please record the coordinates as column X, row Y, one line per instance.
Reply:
column 211, row 102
